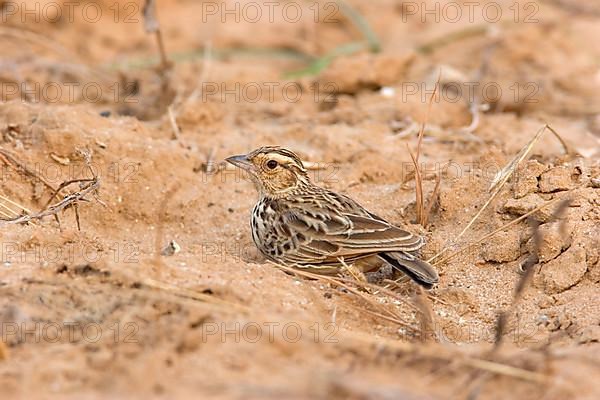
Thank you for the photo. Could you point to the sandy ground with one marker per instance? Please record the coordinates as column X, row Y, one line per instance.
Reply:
column 108, row 310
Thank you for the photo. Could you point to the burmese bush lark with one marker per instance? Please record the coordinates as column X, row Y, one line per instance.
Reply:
column 306, row 226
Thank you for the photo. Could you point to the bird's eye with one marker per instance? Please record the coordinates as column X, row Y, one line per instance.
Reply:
column 271, row 164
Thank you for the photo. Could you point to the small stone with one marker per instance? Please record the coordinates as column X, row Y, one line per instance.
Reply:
column 556, row 179
column 171, row 248
column 526, row 180
column 565, row 271
column 502, row 247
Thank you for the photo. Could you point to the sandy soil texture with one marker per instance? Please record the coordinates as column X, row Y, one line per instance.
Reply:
column 128, row 269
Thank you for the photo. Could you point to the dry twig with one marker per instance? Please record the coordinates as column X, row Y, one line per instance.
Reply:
column 88, row 186
column 152, row 26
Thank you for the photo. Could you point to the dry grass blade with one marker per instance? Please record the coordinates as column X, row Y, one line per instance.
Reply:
column 433, row 199
column 419, row 203
column 9, row 201
column 566, row 147
column 173, row 122
column 7, row 211
column 420, row 208
column 502, row 177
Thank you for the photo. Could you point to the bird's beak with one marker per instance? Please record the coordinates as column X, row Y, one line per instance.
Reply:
column 241, row 162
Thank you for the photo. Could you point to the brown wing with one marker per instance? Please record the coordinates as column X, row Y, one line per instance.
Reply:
column 329, row 226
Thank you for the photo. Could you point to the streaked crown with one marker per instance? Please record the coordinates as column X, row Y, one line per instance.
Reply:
column 274, row 170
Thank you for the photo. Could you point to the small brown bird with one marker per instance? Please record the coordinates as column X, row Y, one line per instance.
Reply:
column 306, row 226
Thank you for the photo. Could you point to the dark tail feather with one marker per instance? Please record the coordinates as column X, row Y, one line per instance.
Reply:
column 418, row 270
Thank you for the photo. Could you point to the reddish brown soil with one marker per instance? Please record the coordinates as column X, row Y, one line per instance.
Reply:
column 101, row 312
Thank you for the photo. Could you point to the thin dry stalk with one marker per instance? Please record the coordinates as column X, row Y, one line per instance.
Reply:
column 502, row 177
column 419, row 203
column 9, row 201
column 434, row 198
column 353, row 271
column 420, row 208
column 5, row 215
column 568, row 150
column 11, row 213
column 174, row 127
column 64, row 185
column 152, row 26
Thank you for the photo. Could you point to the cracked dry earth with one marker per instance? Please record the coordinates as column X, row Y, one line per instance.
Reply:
column 109, row 310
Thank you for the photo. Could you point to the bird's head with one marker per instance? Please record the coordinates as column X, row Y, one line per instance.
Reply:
column 275, row 171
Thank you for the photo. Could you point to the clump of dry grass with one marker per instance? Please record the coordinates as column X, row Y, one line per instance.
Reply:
column 423, row 211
